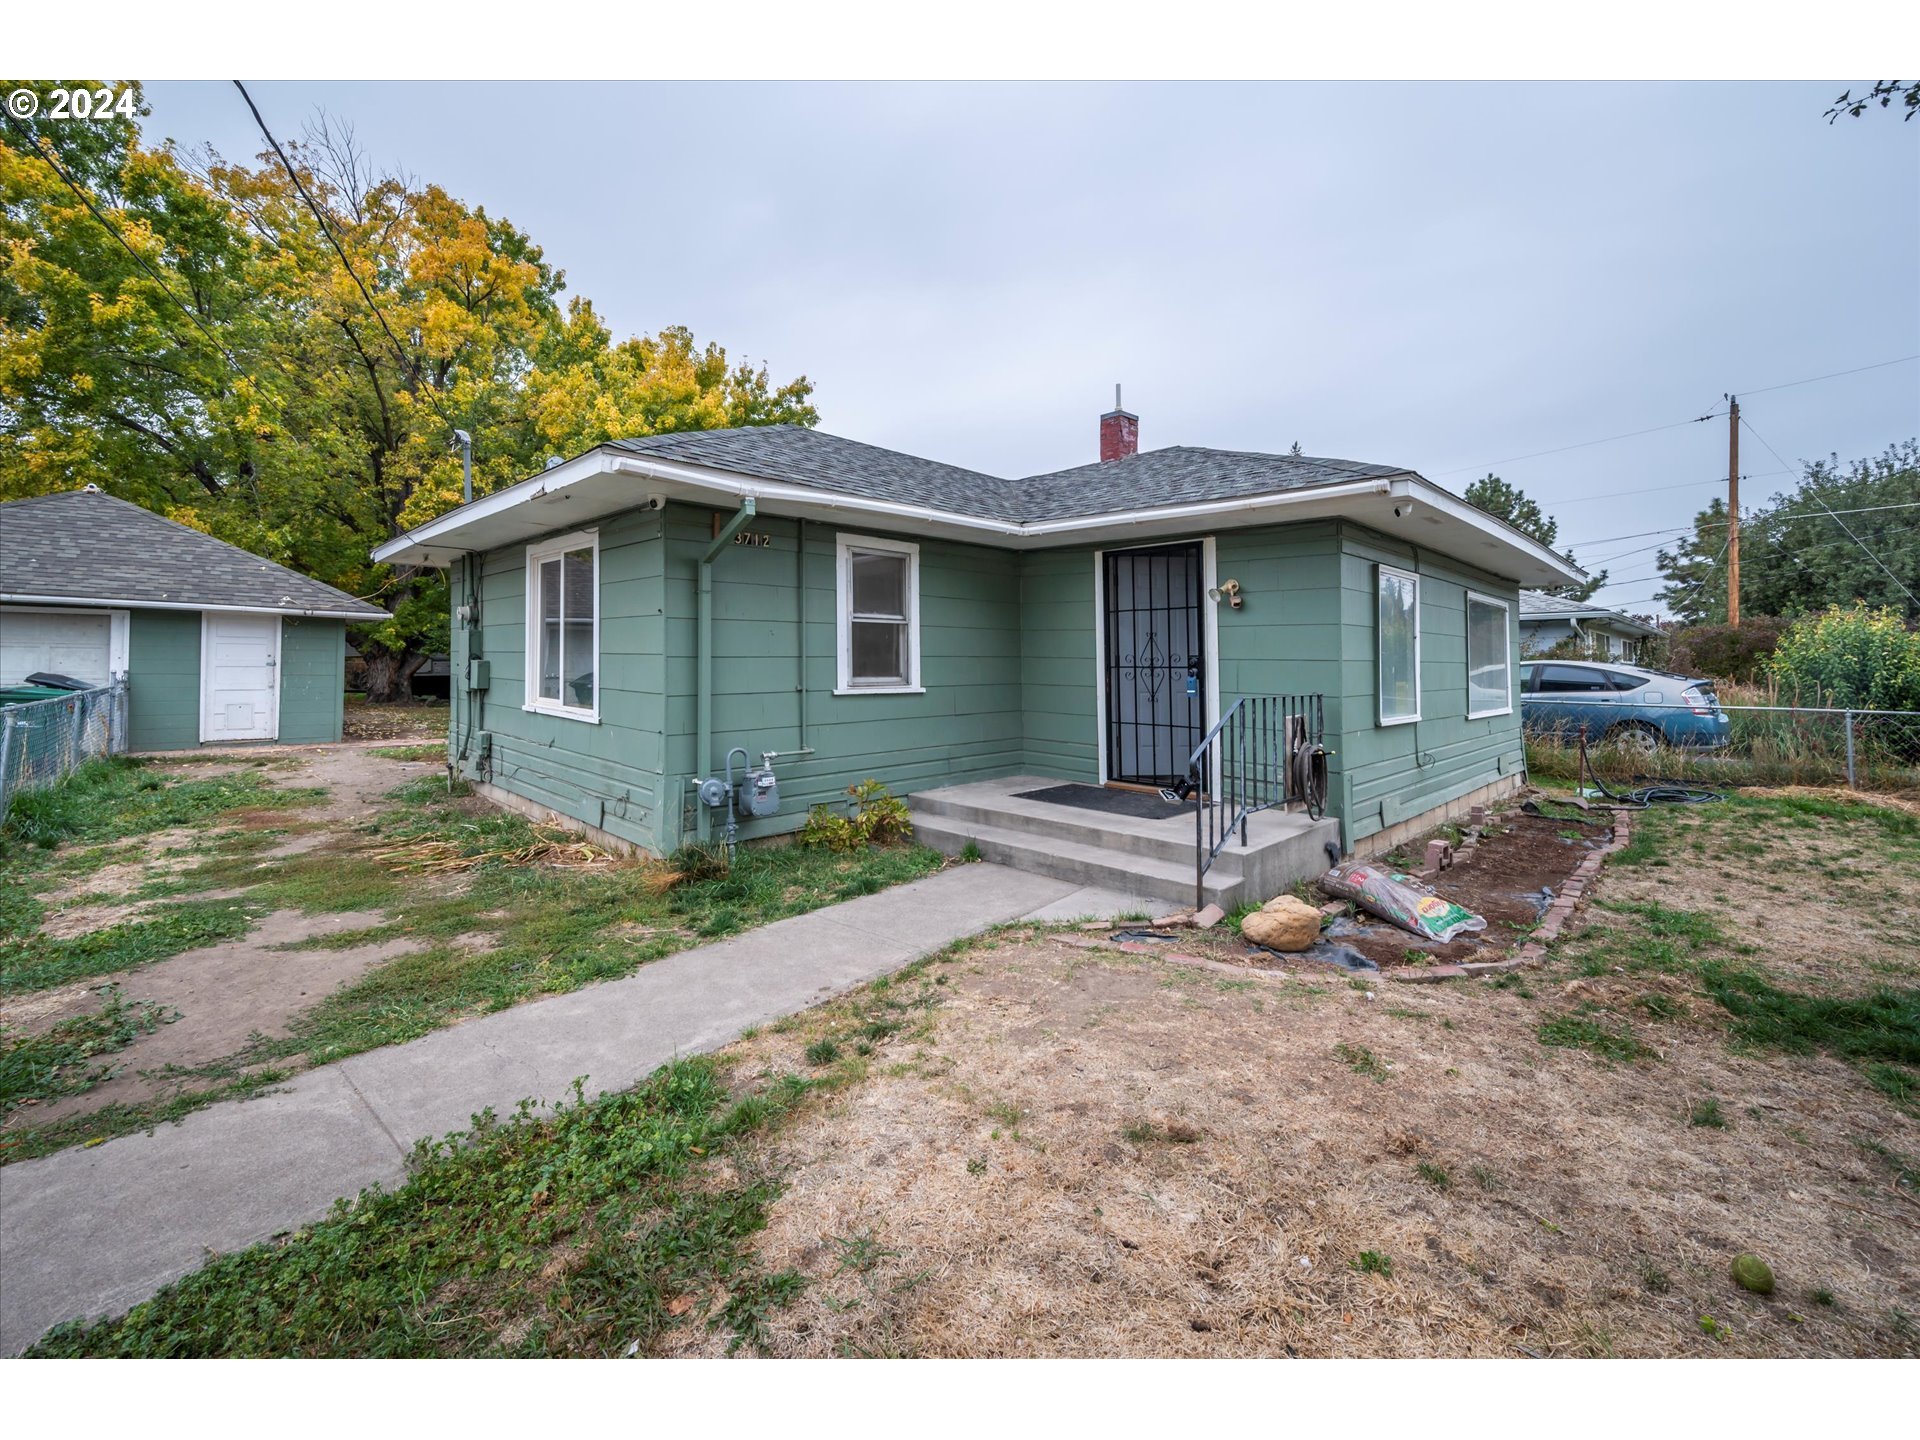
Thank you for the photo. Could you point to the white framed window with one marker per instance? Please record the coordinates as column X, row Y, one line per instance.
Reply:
column 563, row 626
column 1397, row 633
column 1489, row 658
column 877, row 601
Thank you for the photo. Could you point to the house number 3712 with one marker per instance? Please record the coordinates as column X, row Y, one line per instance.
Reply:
column 753, row 539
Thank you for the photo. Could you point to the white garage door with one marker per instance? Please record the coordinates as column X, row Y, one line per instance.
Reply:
column 80, row 645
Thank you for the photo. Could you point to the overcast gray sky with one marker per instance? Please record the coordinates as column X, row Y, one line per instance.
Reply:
column 1442, row 276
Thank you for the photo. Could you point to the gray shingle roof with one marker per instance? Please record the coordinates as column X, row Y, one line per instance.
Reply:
column 86, row 545
column 813, row 458
column 1180, row 474
column 1536, row 605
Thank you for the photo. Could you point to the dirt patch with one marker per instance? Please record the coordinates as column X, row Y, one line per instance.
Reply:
column 71, row 921
column 1089, row 1153
column 399, row 721
column 225, row 995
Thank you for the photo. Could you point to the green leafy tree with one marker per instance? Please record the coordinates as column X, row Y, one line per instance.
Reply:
column 1518, row 509
column 1796, row 553
column 224, row 368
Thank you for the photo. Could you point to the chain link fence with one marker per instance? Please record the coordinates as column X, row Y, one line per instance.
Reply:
column 44, row 741
column 1757, row 745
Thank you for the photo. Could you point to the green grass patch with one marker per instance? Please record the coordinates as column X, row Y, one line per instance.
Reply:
column 1883, row 1025
column 61, row 1060
column 111, row 1121
column 116, row 798
column 30, row 962
column 1582, row 1029
column 1361, row 1060
column 1372, row 1262
column 1707, row 1114
column 574, row 1233
column 411, row 752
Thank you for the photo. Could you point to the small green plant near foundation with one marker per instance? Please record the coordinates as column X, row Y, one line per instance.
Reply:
column 873, row 816
column 1361, row 1060
column 1372, row 1262
column 1434, row 1175
column 60, row 1060
column 970, row 853
column 1706, row 1114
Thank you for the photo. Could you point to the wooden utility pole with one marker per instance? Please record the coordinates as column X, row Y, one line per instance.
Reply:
column 1733, row 510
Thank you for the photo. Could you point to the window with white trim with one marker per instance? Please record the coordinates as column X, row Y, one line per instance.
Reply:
column 563, row 626
column 877, row 596
column 1489, row 658
column 1397, row 632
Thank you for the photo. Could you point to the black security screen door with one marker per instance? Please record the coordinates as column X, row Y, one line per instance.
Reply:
column 1156, row 663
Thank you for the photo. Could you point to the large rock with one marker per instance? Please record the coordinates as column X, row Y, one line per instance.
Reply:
column 1284, row 923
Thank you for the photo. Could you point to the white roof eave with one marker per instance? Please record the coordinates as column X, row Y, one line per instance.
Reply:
column 602, row 483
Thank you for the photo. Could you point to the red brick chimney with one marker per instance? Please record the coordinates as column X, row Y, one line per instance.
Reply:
column 1119, row 432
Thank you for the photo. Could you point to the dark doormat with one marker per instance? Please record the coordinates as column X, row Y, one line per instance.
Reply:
column 1141, row 804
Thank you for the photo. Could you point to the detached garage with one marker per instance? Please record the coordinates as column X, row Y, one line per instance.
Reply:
column 216, row 644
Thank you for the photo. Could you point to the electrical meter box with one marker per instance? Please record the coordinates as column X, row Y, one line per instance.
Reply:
column 479, row 674
column 759, row 794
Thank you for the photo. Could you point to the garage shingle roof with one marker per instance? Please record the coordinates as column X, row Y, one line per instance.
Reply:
column 1178, row 475
column 86, row 545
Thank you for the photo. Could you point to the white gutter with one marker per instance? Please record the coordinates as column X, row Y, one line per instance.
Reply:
column 8, row 597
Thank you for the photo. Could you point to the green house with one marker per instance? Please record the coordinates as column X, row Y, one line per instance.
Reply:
column 216, row 644
column 635, row 622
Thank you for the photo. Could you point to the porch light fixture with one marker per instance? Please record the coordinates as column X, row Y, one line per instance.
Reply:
column 1227, row 590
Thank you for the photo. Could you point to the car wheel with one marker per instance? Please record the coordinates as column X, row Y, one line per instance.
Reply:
column 1635, row 738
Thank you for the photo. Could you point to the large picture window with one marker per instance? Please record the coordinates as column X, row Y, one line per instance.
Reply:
column 563, row 626
column 1398, row 629
column 1489, row 658
column 878, row 599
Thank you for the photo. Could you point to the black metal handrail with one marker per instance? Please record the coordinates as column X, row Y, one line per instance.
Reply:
column 1266, row 752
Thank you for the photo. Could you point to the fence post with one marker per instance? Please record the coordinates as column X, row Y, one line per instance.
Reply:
column 1852, row 782
column 6, row 761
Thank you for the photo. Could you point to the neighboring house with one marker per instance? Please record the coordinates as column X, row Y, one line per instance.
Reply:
column 865, row 613
column 216, row 644
column 1597, row 632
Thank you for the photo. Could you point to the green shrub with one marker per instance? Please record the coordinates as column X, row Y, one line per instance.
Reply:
column 1857, row 659
column 878, row 818
column 1739, row 653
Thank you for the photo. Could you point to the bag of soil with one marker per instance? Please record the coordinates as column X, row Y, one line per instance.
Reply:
column 1402, row 900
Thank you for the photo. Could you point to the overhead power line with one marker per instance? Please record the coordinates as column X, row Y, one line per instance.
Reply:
column 1901, row 584
column 1681, row 424
column 326, row 228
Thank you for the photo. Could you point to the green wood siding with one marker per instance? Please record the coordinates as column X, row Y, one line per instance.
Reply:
column 966, row 726
column 1057, row 667
column 1391, row 773
column 163, row 679
column 606, row 774
column 1007, row 661
column 313, row 661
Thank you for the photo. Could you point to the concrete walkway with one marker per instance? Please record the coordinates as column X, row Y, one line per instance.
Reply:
column 95, row 1231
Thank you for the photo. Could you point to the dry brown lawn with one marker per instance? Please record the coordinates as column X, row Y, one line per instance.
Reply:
column 1085, row 1152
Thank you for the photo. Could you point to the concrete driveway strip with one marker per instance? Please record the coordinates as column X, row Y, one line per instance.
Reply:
column 92, row 1232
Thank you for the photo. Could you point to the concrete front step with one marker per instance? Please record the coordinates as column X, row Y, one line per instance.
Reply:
column 1077, row 861
column 1168, row 840
column 1138, row 856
